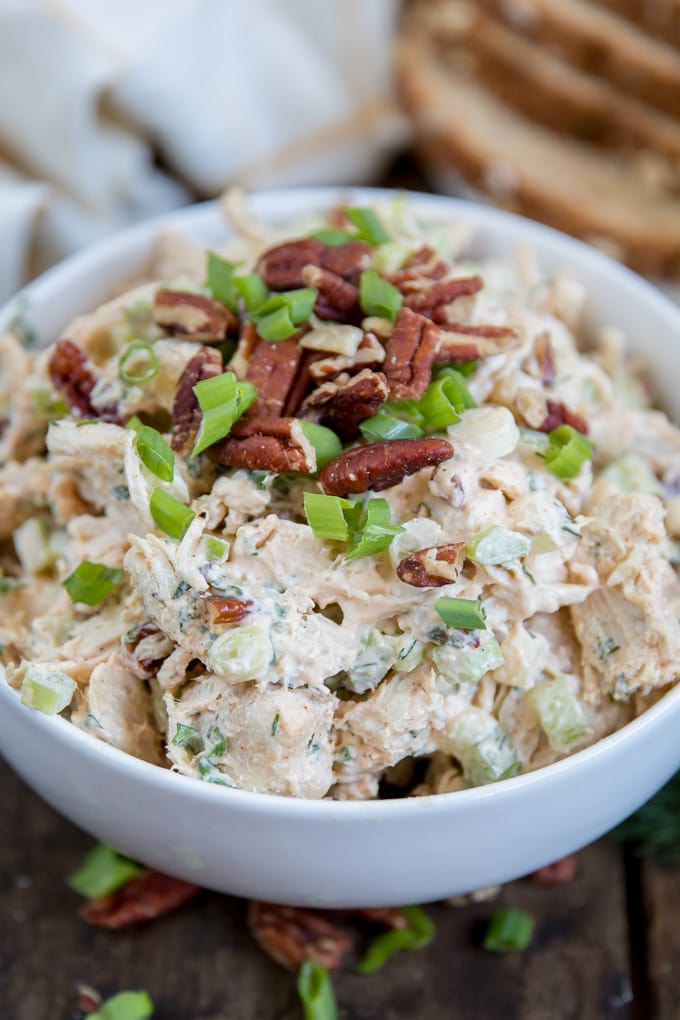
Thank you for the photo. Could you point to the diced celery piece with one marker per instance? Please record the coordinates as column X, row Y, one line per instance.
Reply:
column 496, row 545
column 375, row 659
column 630, row 473
column 560, row 713
column 468, row 662
column 242, row 654
column 32, row 545
column 48, row 691
column 418, row 533
column 485, row 752
column 391, row 256
column 216, row 549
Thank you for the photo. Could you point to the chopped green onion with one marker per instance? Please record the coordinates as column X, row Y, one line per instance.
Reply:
column 332, row 236
column 378, row 297
column 48, row 405
column 407, row 410
column 170, row 515
column 316, row 992
column 485, row 752
column 125, row 1006
column 102, row 872
column 560, row 712
column 47, row 691
column 464, row 368
column 276, row 325
column 155, row 453
column 222, row 399
column 495, row 545
column 445, row 399
column 369, row 227
column 419, row 933
column 134, row 423
column 509, row 930
column 298, row 303
column 245, row 653
column 325, row 442
column 325, row 516
column 252, row 289
column 138, row 364
column 221, row 280
column 188, row 737
column 382, row 425
column 567, row 453
column 92, row 582
column 465, row 614
column 217, row 549
column 374, row 531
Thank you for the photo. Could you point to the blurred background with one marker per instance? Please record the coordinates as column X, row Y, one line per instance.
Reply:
column 113, row 111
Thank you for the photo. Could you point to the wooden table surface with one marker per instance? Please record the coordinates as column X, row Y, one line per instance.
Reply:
column 606, row 946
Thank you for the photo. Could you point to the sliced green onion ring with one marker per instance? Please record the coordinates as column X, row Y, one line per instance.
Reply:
column 369, row 227
column 92, row 582
column 316, row 992
column 221, row 280
column 332, row 236
column 133, row 354
column 568, row 451
column 464, row 614
column 378, row 297
column 325, row 442
column 252, row 289
column 509, row 930
column 374, row 532
column 382, row 425
column 276, row 325
column 325, row 516
column 102, row 872
column 155, row 453
column 222, row 399
column 170, row 515
column 445, row 399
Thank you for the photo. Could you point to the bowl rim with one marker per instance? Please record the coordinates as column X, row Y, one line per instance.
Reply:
column 166, row 780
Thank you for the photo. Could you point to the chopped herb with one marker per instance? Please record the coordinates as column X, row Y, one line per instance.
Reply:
column 525, row 570
column 275, row 724
column 181, row 589
column 605, row 648
column 571, row 531
column 121, row 492
column 189, row 738
column 9, row 584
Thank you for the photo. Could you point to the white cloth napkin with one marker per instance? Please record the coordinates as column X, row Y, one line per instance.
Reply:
column 114, row 110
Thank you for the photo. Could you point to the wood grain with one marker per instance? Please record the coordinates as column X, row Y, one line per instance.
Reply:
column 661, row 900
column 201, row 964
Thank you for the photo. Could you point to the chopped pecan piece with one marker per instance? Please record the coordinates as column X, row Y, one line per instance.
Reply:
column 266, row 444
column 247, row 342
column 345, row 402
column 303, row 383
column 545, row 358
column 558, row 872
column 72, row 374
column 186, row 411
column 432, row 568
column 409, row 355
column 433, row 300
column 545, row 415
column 370, row 354
column 379, row 466
column 348, row 260
column 458, row 342
column 193, row 316
column 281, row 267
column 337, row 299
column 226, row 610
column 384, row 917
column 424, row 264
column 272, row 369
column 89, row 1000
column 145, row 648
column 142, row 899
column 289, row 935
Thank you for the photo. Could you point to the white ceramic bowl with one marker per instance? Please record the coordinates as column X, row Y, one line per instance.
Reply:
column 351, row 854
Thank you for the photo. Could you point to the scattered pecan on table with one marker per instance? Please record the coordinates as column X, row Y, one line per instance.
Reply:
column 343, row 403
column 433, row 567
column 142, row 899
column 558, row 872
column 186, row 411
column 73, row 375
column 409, row 355
column 266, row 444
column 379, row 466
column 458, row 342
column 291, row 934
column 226, row 610
column 193, row 316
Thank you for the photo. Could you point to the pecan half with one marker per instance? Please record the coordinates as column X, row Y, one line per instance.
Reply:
column 272, row 368
column 345, row 402
column 348, row 260
column 72, row 374
column 379, row 466
column 424, row 264
column 303, row 383
column 193, row 316
column 266, row 444
column 281, row 267
column 433, row 300
column 226, row 610
column 142, row 899
column 458, row 342
column 370, row 354
column 337, row 299
column 432, row 568
column 409, row 355
column 145, row 648
column 186, row 411
column 289, row 935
